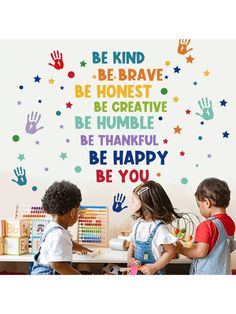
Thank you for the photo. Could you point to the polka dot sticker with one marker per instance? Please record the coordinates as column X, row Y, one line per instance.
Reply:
column 158, row 174
column 21, row 87
column 160, row 118
column 164, row 91
column 34, row 188
column 15, row 138
column 197, row 165
column 78, row 169
column 184, row 180
column 67, row 140
column 58, row 113
column 167, row 63
column 71, row 74
column 200, row 138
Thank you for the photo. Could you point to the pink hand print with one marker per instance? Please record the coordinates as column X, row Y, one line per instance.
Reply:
column 57, row 58
column 183, row 45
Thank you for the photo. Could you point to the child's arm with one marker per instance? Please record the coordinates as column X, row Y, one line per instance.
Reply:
column 198, row 250
column 130, row 255
column 167, row 256
column 80, row 248
column 64, row 268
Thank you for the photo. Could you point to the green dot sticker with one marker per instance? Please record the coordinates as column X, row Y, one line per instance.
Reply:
column 184, row 180
column 78, row 169
column 15, row 138
column 164, row 91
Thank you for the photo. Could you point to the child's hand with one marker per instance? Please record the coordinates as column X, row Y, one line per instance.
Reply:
column 179, row 246
column 148, row 269
column 131, row 261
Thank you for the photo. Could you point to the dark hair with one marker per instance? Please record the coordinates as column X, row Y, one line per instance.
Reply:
column 61, row 197
column 215, row 190
column 154, row 202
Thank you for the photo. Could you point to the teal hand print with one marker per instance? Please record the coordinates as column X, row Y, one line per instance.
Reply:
column 21, row 176
column 206, row 107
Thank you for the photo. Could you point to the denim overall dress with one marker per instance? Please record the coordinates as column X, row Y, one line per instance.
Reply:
column 40, row 269
column 217, row 262
column 143, row 249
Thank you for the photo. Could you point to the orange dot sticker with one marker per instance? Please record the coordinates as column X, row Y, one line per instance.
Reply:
column 158, row 174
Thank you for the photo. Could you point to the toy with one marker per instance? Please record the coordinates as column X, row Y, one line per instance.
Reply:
column 30, row 212
column 17, row 228
column 1, row 246
column 185, row 227
column 16, row 245
column 2, row 228
column 92, row 226
column 111, row 269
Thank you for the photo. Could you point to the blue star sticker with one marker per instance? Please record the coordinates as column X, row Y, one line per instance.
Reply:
column 225, row 134
column 166, row 77
column 223, row 103
column 195, row 83
column 176, row 69
column 37, row 79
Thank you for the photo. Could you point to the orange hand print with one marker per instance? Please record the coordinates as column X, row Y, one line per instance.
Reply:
column 57, row 58
column 183, row 45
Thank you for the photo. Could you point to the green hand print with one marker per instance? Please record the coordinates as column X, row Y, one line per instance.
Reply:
column 206, row 107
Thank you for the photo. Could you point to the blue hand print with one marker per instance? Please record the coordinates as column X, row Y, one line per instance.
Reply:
column 20, row 175
column 32, row 121
column 118, row 202
column 207, row 112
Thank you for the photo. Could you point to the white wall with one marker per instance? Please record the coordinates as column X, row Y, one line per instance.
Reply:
column 21, row 61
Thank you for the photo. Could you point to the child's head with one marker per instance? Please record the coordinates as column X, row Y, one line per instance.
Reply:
column 152, row 203
column 212, row 193
column 62, row 199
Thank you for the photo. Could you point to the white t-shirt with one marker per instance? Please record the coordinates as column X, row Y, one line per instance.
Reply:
column 57, row 246
column 162, row 236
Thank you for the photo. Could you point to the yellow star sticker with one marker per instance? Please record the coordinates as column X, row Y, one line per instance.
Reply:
column 175, row 99
column 51, row 81
column 206, row 73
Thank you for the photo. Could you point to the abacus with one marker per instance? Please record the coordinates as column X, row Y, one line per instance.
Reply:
column 30, row 212
column 93, row 226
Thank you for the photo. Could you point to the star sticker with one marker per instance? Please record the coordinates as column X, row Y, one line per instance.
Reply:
column 188, row 111
column 190, row 59
column 225, row 134
column 176, row 69
column 69, row 105
column 209, row 155
column 223, row 103
column 206, row 73
column 62, row 87
column 61, row 126
column 202, row 122
column 21, row 157
column 37, row 142
column 19, row 103
column 63, row 156
column 177, row 129
column 39, row 101
column 166, row 77
column 175, row 99
column 83, row 63
column 51, row 81
column 165, row 141
column 37, row 79
column 195, row 83
column 182, row 153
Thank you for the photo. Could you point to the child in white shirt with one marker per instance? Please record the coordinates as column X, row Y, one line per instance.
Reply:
column 61, row 200
column 152, row 246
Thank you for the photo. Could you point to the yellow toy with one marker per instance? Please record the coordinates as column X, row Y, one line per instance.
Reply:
column 2, row 228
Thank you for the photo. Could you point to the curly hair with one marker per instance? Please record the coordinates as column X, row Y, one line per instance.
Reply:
column 215, row 190
column 61, row 197
column 154, row 202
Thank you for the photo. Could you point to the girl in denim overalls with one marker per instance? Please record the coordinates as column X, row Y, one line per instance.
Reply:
column 214, row 237
column 62, row 201
column 151, row 244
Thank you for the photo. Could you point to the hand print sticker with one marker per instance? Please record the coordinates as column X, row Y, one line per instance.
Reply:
column 183, row 46
column 21, row 176
column 32, row 121
column 206, row 107
column 118, row 202
column 57, row 58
